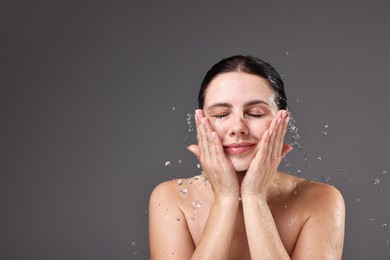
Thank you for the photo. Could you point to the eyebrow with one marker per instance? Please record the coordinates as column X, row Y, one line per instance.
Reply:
column 228, row 105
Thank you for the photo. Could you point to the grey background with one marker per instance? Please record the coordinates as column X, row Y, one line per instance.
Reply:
column 94, row 100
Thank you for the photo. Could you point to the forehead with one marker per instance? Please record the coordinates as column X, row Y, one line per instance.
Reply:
column 237, row 87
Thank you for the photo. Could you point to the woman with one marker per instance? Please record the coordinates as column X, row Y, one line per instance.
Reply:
column 242, row 207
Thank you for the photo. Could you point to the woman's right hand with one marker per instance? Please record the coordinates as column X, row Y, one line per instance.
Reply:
column 217, row 168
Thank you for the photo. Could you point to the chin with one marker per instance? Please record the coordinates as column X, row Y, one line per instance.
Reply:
column 240, row 166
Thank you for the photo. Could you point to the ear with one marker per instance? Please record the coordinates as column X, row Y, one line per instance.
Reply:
column 286, row 149
column 193, row 148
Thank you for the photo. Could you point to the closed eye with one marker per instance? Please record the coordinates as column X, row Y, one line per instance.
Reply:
column 256, row 115
column 220, row 116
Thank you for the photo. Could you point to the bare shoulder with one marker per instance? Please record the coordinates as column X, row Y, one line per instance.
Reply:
column 324, row 222
column 163, row 191
column 320, row 196
column 312, row 198
column 178, row 192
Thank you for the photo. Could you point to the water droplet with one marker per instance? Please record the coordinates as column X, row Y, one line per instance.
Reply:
column 184, row 191
column 325, row 178
column 135, row 253
column 180, row 161
column 181, row 181
column 173, row 108
column 342, row 170
column 287, row 164
column 305, row 156
column 197, row 204
column 189, row 122
column 384, row 225
column 298, row 101
column 384, row 172
column 299, row 171
column 376, row 181
column 192, row 217
column 319, row 158
column 167, row 163
column 198, row 165
column 358, row 200
column 295, row 192
column 133, row 244
column 287, row 53
column 324, row 133
column 326, row 126
column 371, row 219
column 387, row 242
column 196, row 177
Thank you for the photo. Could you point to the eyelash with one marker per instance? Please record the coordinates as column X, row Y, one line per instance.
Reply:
column 220, row 116
column 252, row 115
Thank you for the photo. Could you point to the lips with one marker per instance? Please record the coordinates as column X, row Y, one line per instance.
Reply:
column 238, row 148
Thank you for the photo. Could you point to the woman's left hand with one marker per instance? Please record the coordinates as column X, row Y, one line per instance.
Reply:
column 270, row 152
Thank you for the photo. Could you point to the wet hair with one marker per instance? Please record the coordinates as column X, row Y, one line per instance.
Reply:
column 250, row 65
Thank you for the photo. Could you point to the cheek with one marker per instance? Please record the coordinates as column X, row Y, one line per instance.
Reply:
column 219, row 126
column 257, row 129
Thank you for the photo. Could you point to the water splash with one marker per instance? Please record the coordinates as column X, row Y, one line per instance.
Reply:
column 167, row 163
column 376, row 181
column 189, row 122
column 181, row 181
column 195, row 206
column 384, row 172
column 294, row 132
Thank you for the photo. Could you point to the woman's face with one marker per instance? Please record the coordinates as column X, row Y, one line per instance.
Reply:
column 240, row 107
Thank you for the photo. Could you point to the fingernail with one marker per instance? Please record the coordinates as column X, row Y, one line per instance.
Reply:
column 270, row 133
column 204, row 121
column 284, row 113
column 287, row 119
column 213, row 135
column 196, row 113
column 278, row 122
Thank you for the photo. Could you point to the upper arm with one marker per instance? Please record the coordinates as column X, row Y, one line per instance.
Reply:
column 169, row 236
column 322, row 235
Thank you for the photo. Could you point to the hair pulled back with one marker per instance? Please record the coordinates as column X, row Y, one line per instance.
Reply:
column 250, row 65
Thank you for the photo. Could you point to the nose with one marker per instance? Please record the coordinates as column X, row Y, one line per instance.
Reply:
column 238, row 127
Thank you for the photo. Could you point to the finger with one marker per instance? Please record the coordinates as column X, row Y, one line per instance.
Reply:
column 279, row 135
column 283, row 134
column 203, row 151
column 262, row 149
column 275, row 133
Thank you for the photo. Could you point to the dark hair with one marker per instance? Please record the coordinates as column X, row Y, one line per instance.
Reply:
column 250, row 65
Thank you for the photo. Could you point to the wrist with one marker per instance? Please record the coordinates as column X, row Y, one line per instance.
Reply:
column 227, row 199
